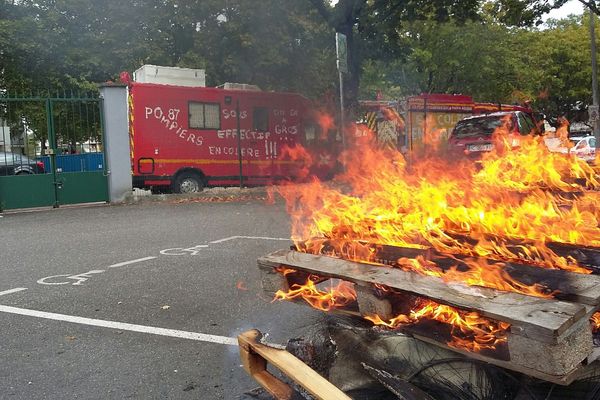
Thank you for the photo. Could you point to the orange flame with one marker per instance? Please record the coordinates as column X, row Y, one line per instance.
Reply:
column 479, row 273
column 595, row 320
column 517, row 195
column 469, row 331
column 301, row 158
column 335, row 296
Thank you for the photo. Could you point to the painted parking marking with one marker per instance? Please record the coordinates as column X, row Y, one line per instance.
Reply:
column 180, row 251
column 247, row 237
column 15, row 290
column 122, row 264
column 122, row 326
column 78, row 279
column 195, row 250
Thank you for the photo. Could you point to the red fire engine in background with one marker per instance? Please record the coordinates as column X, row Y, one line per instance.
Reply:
column 419, row 121
column 187, row 137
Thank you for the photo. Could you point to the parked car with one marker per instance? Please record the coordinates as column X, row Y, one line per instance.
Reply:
column 473, row 135
column 584, row 147
column 17, row 164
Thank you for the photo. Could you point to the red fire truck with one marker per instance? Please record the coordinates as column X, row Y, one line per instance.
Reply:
column 185, row 138
column 417, row 122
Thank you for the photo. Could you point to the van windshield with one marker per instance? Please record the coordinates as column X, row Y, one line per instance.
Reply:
column 483, row 126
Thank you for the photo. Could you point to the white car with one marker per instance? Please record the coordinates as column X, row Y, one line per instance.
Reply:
column 584, row 147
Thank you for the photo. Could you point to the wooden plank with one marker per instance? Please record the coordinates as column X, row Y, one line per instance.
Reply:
column 291, row 366
column 256, row 367
column 585, row 255
column 579, row 288
column 545, row 318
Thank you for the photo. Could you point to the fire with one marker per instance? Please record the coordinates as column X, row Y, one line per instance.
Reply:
column 595, row 320
column 527, row 195
column 335, row 296
column 506, row 207
column 469, row 331
column 301, row 158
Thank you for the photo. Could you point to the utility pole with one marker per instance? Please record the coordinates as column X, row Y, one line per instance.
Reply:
column 341, row 47
column 593, row 111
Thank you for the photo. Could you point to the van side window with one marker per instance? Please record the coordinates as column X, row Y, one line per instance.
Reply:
column 260, row 119
column 526, row 125
column 204, row 115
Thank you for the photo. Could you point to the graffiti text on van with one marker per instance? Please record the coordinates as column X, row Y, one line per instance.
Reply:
column 169, row 119
column 245, row 134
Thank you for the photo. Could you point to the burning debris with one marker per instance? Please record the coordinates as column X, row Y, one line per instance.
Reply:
column 497, row 259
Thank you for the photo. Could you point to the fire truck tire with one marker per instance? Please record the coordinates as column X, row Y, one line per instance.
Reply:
column 188, row 182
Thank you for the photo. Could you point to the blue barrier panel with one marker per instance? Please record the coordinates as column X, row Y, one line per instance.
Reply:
column 76, row 162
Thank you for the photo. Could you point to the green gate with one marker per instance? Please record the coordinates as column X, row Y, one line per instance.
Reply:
column 51, row 151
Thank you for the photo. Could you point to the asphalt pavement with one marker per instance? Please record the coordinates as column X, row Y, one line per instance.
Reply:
column 139, row 301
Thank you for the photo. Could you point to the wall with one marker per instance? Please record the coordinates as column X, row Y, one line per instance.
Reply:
column 116, row 132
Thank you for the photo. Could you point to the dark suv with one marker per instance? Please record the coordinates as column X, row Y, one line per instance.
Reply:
column 17, row 164
column 473, row 135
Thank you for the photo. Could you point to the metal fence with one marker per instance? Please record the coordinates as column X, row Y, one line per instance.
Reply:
column 51, row 150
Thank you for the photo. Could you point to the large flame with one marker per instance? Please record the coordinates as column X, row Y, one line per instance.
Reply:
column 506, row 207
column 526, row 194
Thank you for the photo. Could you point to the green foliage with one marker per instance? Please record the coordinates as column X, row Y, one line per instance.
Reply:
column 75, row 43
column 473, row 47
column 491, row 62
column 561, row 78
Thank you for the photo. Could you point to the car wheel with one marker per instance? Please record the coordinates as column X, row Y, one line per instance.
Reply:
column 188, row 182
column 23, row 173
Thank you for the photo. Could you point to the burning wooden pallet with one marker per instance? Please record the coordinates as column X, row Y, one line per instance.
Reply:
column 546, row 338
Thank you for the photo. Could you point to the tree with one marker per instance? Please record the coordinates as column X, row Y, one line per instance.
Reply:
column 560, row 80
column 374, row 29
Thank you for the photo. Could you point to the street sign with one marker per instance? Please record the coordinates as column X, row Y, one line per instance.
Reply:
column 341, row 49
column 593, row 113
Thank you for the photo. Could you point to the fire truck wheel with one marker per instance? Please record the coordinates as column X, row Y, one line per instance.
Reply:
column 188, row 182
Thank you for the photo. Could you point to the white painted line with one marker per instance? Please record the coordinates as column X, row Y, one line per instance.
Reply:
column 202, row 337
column 225, row 240
column 248, row 237
column 121, row 264
column 264, row 238
column 15, row 290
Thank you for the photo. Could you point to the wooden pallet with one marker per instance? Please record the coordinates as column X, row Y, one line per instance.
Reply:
column 548, row 339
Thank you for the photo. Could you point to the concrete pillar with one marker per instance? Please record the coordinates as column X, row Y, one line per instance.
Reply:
column 116, row 141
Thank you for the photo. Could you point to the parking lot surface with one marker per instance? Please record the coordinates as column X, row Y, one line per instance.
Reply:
column 139, row 301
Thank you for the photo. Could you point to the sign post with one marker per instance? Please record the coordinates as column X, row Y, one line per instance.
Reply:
column 341, row 48
column 593, row 110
